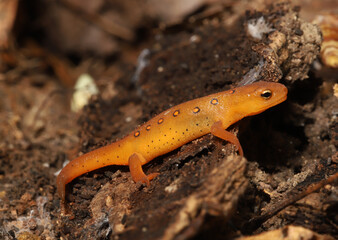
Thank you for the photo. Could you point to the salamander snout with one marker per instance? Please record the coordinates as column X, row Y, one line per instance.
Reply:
column 263, row 95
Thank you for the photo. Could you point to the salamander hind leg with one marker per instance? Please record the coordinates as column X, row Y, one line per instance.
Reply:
column 218, row 130
column 135, row 166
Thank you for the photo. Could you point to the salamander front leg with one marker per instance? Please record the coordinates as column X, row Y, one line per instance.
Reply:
column 218, row 130
column 135, row 166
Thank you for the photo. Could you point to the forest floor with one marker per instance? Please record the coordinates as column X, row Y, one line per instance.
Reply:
column 145, row 60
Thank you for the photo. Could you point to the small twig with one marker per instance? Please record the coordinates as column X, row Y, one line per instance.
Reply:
column 257, row 221
column 111, row 28
column 45, row 101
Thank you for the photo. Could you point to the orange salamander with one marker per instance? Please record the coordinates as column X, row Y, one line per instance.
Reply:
column 175, row 127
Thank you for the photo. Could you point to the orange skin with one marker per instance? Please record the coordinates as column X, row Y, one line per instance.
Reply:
column 175, row 127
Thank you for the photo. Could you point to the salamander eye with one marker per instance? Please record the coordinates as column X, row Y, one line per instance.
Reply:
column 266, row 94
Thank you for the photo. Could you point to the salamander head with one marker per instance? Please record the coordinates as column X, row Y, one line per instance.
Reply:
column 260, row 96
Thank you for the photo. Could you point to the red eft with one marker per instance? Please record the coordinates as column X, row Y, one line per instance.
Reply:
column 175, row 127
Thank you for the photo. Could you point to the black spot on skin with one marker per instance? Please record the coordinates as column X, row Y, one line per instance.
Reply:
column 83, row 166
column 97, row 160
column 148, row 145
column 186, row 130
column 173, row 138
column 118, row 156
column 196, row 124
column 119, row 145
column 183, row 133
